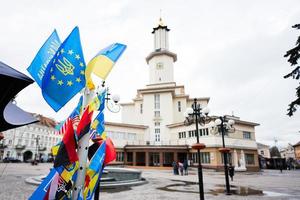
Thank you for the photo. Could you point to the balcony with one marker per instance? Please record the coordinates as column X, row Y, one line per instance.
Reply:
column 20, row 147
column 3, row 146
column 42, row 148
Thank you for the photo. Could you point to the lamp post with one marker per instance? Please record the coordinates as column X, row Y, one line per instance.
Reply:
column 198, row 115
column 224, row 126
column 37, row 149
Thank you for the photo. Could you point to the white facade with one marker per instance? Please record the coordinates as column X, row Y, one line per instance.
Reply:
column 29, row 140
column 287, row 152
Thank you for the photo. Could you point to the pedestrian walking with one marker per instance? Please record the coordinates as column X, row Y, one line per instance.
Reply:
column 175, row 168
column 180, row 165
column 185, row 167
column 231, row 171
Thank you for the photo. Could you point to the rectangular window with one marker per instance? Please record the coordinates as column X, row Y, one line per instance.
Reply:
column 141, row 108
column 179, row 106
column 120, row 157
column 204, row 156
column 206, row 131
column 182, row 134
column 156, row 101
column 229, row 158
column 262, row 152
column 249, row 159
column 157, row 113
column 246, row 135
column 157, row 137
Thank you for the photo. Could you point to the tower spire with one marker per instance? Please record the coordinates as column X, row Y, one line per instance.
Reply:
column 160, row 22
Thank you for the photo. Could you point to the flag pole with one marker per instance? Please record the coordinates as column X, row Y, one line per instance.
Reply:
column 83, row 147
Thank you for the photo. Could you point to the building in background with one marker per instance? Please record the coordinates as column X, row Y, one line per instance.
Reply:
column 297, row 151
column 263, row 155
column 26, row 142
column 288, row 152
column 152, row 132
column 263, row 150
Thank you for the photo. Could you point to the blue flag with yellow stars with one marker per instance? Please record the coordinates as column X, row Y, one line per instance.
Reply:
column 40, row 62
column 65, row 74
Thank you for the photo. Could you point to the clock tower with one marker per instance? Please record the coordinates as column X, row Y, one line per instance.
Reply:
column 161, row 60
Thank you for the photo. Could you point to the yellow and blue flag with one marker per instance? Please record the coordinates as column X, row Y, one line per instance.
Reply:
column 103, row 62
column 98, row 103
column 98, row 124
column 65, row 74
column 40, row 62
column 94, row 172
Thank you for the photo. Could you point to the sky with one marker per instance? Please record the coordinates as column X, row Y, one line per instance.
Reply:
column 230, row 51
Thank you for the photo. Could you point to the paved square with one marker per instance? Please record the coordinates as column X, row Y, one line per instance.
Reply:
column 162, row 184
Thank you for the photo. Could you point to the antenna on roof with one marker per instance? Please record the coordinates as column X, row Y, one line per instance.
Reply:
column 275, row 140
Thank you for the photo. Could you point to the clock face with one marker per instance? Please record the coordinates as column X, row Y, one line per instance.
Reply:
column 159, row 65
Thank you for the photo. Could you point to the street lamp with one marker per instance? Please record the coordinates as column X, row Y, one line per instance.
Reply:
column 224, row 126
column 37, row 149
column 199, row 115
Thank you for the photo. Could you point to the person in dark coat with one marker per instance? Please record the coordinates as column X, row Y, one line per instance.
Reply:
column 281, row 167
column 175, row 168
column 231, row 171
column 185, row 167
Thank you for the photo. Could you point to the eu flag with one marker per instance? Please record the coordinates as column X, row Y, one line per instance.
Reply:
column 40, row 62
column 65, row 74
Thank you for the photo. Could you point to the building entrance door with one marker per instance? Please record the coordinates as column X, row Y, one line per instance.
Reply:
column 168, row 158
column 154, row 159
column 27, row 155
column 140, row 159
column 182, row 157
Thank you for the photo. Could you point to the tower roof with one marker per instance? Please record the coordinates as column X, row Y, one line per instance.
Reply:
column 161, row 52
column 160, row 25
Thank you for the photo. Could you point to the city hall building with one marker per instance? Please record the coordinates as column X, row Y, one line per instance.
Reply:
column 152, row 132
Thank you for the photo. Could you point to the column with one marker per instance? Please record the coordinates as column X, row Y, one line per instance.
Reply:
column 175, row 156
column 243, row 163
column 125, row 157
column 161, row 159
column 235, row 158
column 147, row 158
column 134, row 158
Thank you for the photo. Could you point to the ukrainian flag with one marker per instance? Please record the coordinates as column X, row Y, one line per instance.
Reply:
column 103, row 62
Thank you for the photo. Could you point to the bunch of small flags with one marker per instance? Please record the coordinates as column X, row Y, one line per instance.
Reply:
column 60, row 71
